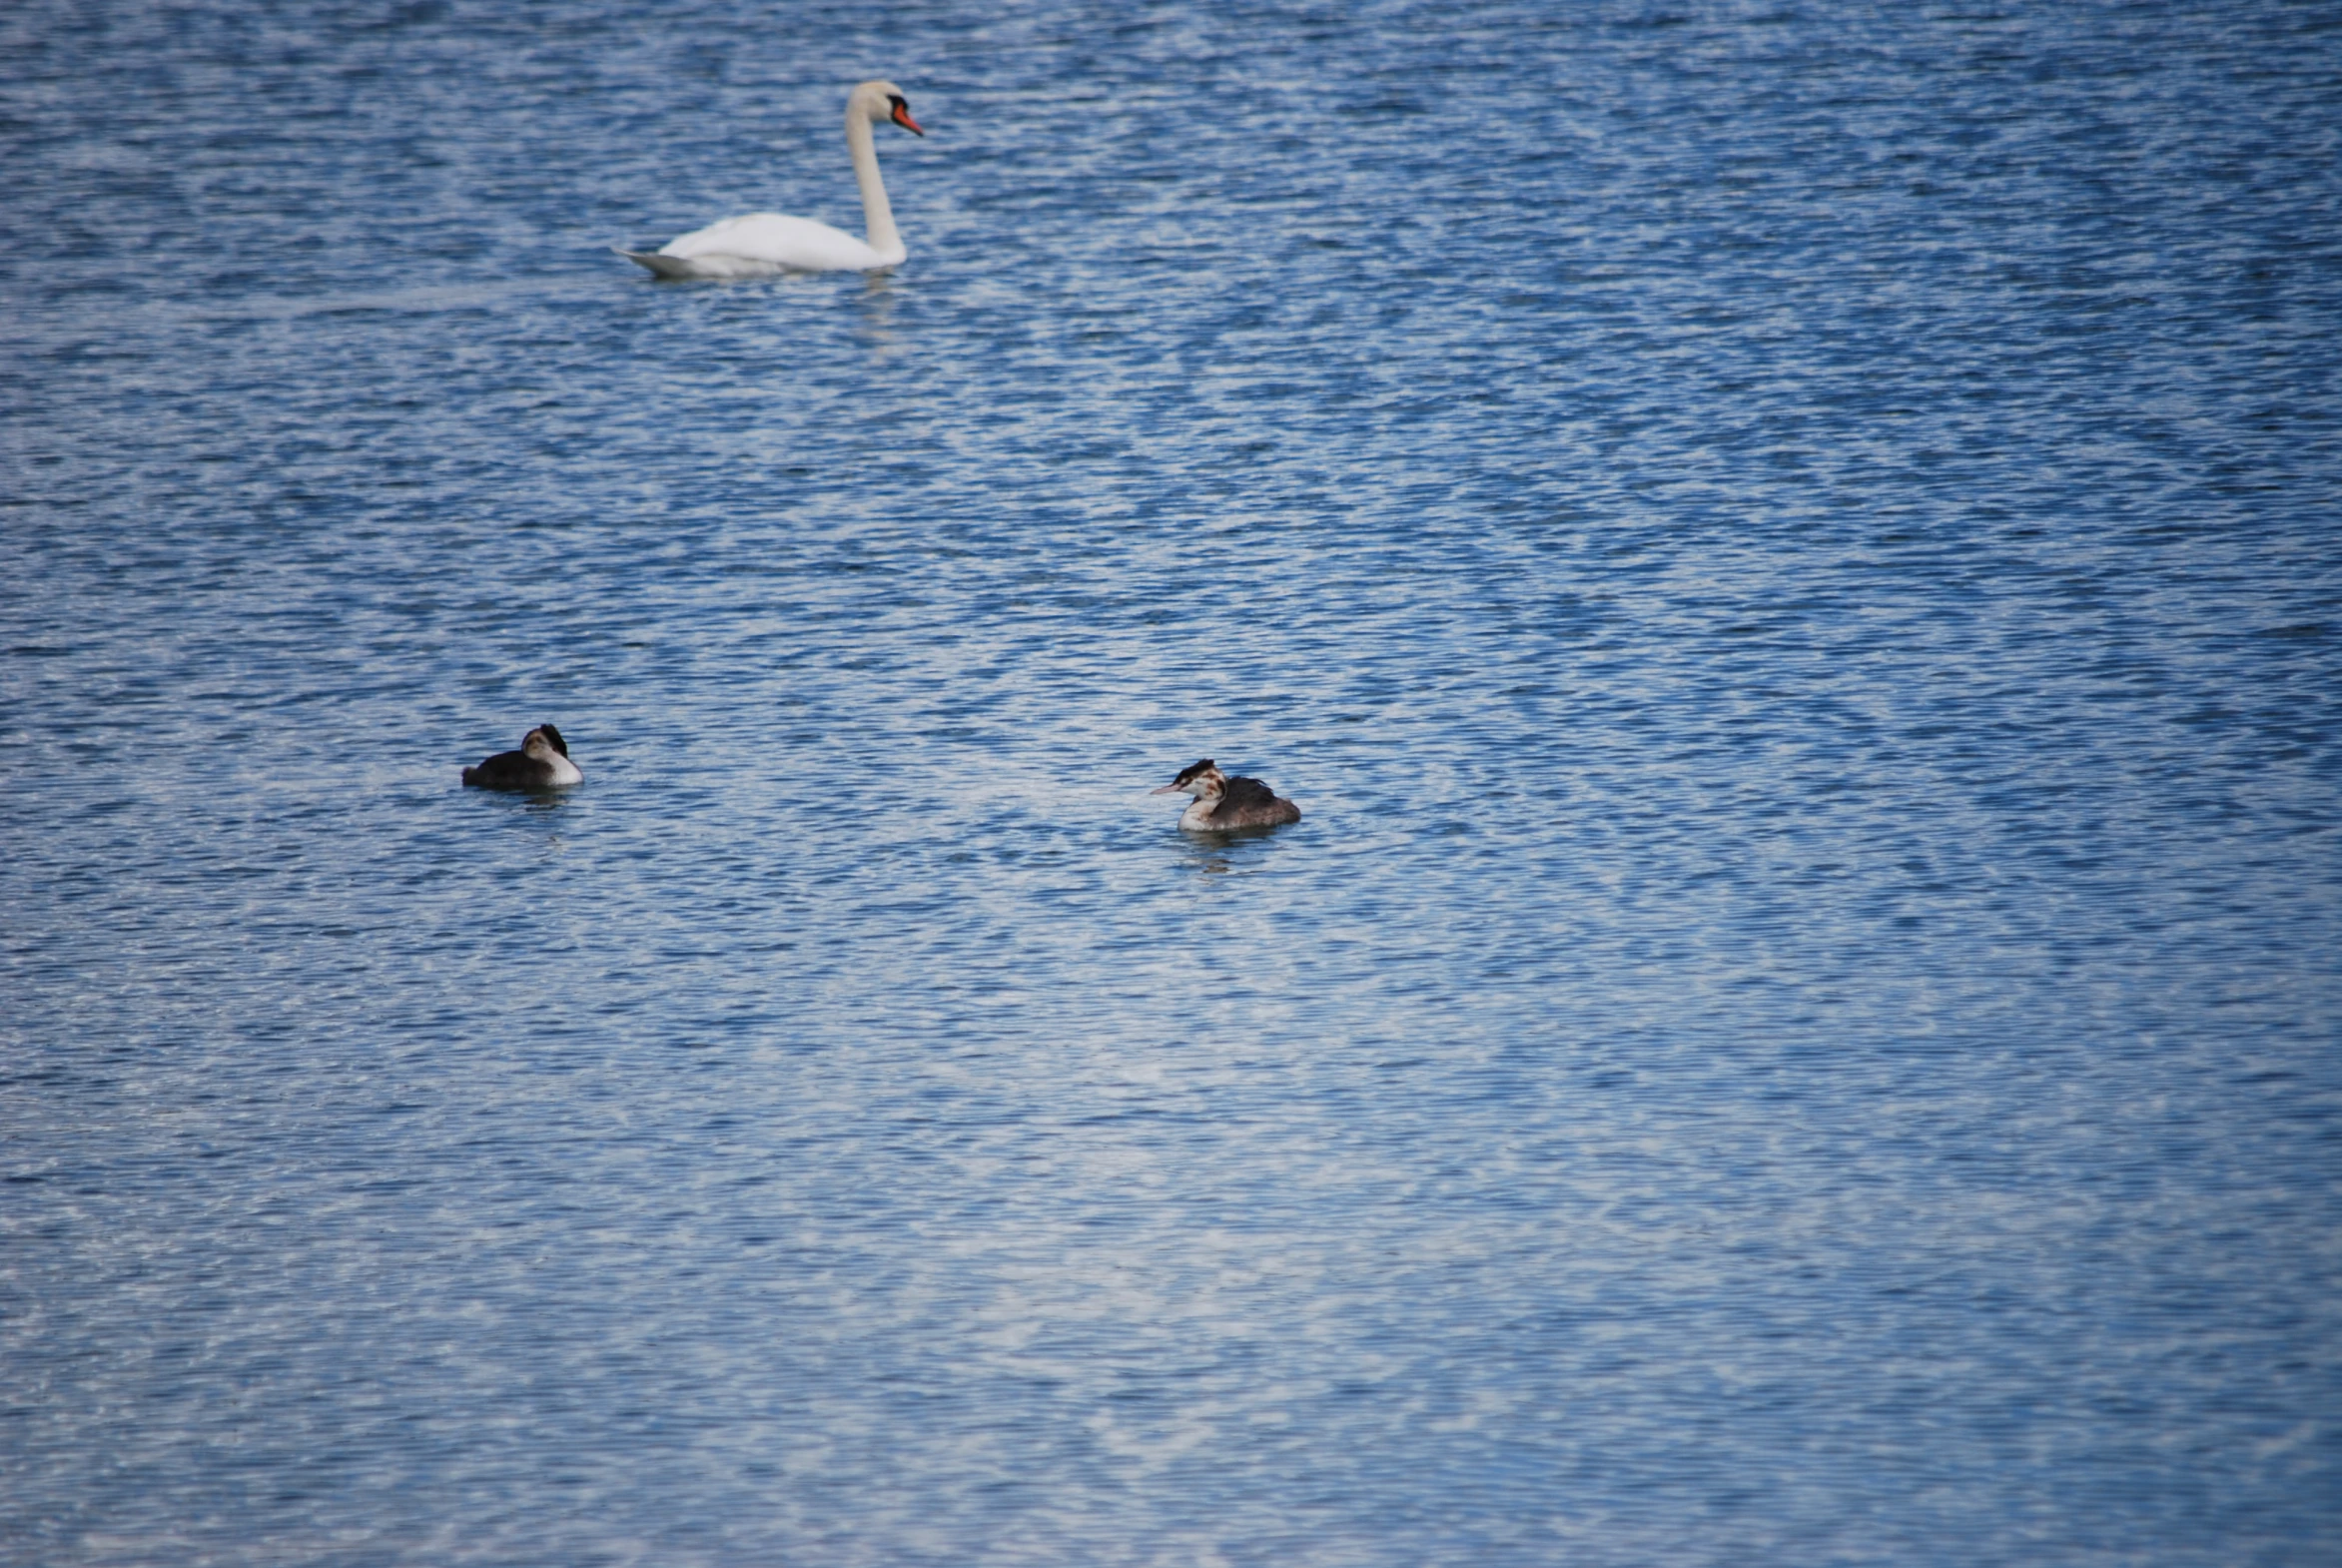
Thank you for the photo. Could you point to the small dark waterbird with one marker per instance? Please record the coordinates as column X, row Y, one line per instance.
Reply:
column 543, row 762
column 1223, row 803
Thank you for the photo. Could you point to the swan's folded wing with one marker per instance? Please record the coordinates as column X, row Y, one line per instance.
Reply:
column 665, row 265
column 775, row 239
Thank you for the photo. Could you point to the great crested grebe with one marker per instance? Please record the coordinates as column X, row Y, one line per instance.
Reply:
column 543, row 762
column 1222, row 803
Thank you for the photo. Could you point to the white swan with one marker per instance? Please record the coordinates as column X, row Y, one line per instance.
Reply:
column 764, row 243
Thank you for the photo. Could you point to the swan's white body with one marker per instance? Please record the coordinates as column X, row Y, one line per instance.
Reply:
column 764, row 243
column 761, row 244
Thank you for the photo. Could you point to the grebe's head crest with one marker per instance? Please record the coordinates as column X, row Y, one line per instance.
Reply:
column 1198, row 779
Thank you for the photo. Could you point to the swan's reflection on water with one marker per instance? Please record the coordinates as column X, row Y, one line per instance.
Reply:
column 875, row 322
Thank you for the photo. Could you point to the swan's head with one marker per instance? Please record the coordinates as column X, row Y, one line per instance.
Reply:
column 543, row 743
column 1203, row 780
column 876, row 101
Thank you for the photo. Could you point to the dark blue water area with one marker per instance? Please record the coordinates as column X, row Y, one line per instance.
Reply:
column 1790, row 557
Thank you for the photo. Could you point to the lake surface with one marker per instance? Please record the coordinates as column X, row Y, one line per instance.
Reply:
column 1792, row 557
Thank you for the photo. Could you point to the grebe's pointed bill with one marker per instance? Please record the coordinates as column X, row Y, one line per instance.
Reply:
column 1170, row 789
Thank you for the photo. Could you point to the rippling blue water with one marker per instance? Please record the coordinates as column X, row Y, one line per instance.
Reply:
column 1790, row 555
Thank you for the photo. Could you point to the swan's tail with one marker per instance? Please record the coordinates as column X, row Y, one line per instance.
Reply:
column 665, row 265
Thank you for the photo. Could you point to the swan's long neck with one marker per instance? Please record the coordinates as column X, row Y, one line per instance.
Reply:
column 877, row 216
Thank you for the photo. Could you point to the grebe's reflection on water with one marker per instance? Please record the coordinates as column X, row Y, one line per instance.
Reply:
column 1236, row 852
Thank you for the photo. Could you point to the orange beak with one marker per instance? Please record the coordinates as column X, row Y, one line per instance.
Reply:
column 903, row 119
